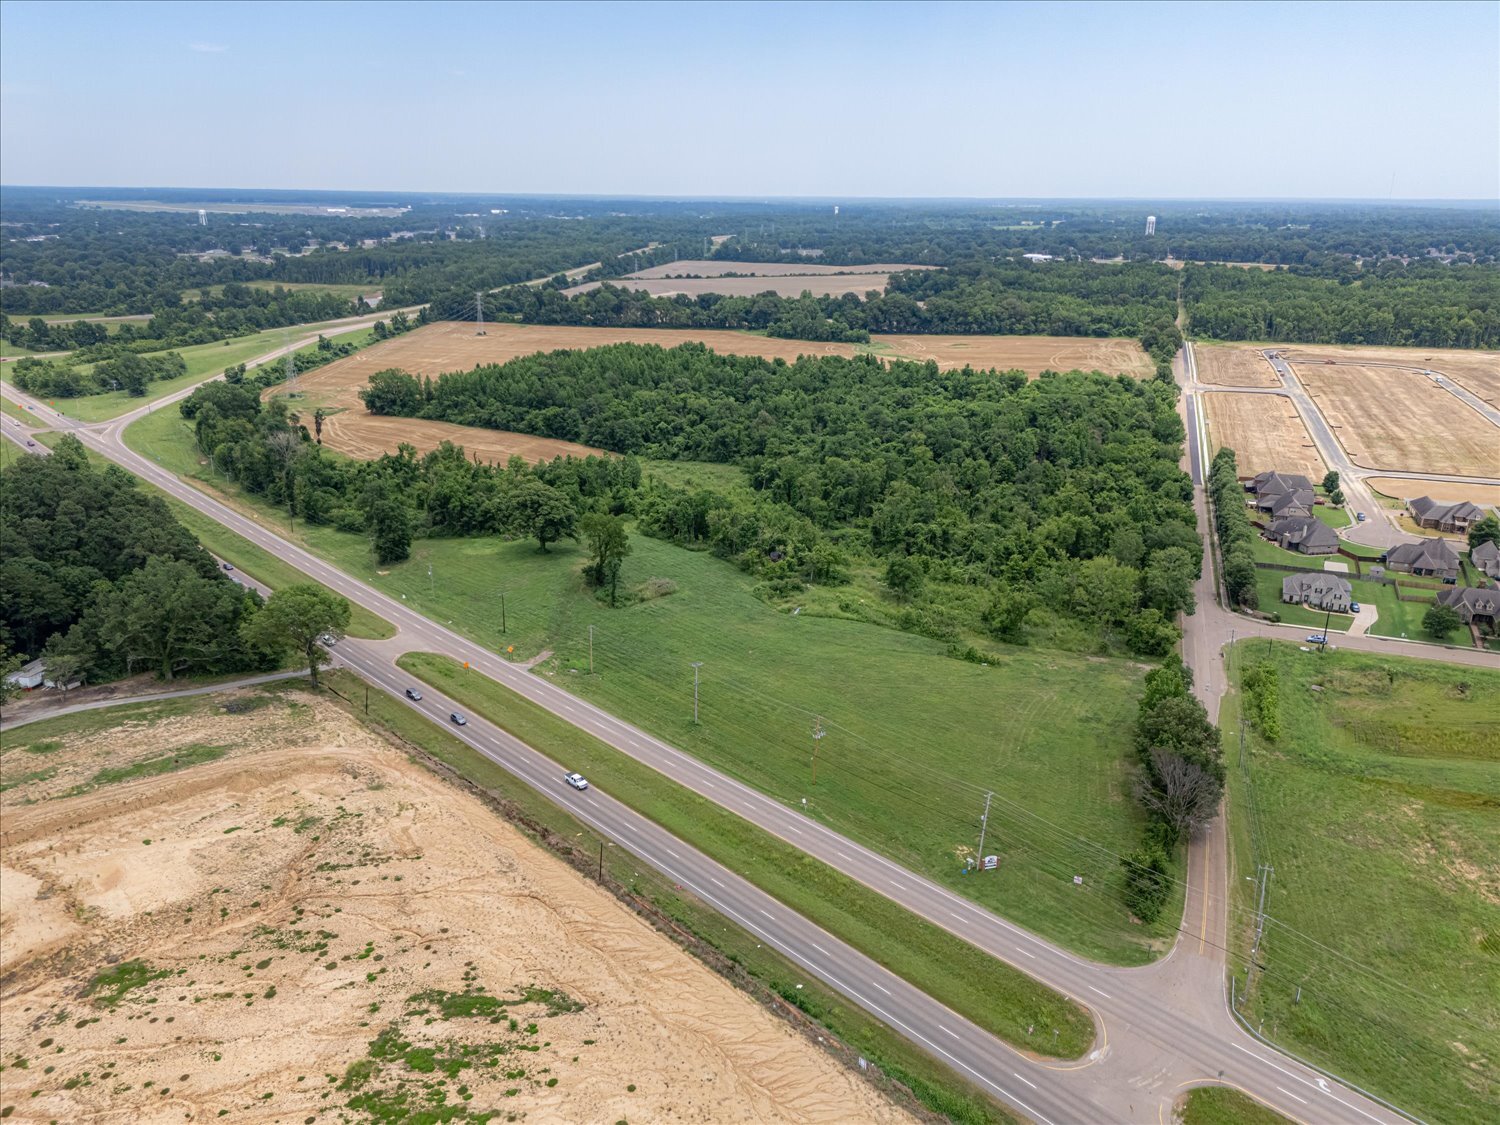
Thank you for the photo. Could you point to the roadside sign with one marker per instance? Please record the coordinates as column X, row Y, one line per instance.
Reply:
column 991, row 862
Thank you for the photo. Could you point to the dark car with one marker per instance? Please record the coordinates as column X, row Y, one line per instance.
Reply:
column 458, row 720
column 229, row 566
column 413, row 694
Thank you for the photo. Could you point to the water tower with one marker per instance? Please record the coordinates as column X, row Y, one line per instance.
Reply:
column 202, row 217
column 1150, row 225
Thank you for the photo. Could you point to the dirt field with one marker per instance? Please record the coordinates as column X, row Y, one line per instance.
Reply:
column 828, row 285
column 437, row 348
column 1387, row 418
column 699, row 267
column 1234, row 366
column 1264, row 431
column 1407, row 489
column 306, row 919
column 1477, row 372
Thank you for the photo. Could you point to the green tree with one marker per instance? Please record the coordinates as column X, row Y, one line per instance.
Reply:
column 1147, row 882
column 168, row 616
column 539, row 510
column 1005, row 615
column 9, row 662
column 389, row 523
column 1486, row 530
column 296, row 619
column 609, row 544
column 904, row 577
column 1336, row 498
column 1330, row 481
column 1167, row 581
column 1440, row 620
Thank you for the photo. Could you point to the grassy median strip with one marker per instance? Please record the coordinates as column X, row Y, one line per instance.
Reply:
column 996, row 997
column 727, row 948
column 1219, row 1105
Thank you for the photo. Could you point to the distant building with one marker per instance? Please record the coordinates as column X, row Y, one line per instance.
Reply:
column 1452, row 518
column 1305, row 535
column 1037, row 257
column 1320, row 591
column 1428, row 558
column 1150, row 225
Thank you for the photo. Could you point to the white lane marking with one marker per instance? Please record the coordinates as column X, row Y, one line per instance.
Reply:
column 893, row 883
column 673, row 854
column 882, row 987
column 768, row 914
column 789, row 828
column 1025, row 1080
column 960, row 917
column 1291, row 1095
column 1103, row 994
column 820, row 949
column 714, row 881
column 1023, row 953
column 1305, row 1082
column 952, row 1033
column 841, row 855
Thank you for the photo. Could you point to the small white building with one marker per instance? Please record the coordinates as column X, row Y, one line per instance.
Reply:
column 29, row 676
column 1037, row 257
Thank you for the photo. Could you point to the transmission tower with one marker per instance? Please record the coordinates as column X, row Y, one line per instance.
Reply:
column 479, row 312
column 291, row 368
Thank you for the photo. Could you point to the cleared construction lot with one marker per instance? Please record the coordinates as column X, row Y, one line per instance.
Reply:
column 1233, row 365
column 1476, row 372
column 437, row 348
column 1265, row 432
column 1388, row 418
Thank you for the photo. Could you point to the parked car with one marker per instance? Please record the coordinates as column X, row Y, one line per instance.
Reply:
column 577, row 781
column 458, row 720
column 1353, row 607
column 1317, row 639
column 413, row 694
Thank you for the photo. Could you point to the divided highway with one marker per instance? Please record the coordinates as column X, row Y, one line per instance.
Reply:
column 1163, row 1027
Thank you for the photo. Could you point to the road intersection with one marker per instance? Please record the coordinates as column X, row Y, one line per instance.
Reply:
column 1161, row 1028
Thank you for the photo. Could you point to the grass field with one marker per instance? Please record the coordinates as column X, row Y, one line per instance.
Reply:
column 1220, row 1105
column 349, row 292
column 999, row 998
column 1233, row 365
column 203, row 360
column 1387, row 418
column 1379, row 808
column 915, row 738
column 934, row 1083
column 1265, row 432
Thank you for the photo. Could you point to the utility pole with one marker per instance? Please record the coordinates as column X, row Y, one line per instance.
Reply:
column 502, row 611
column 984, row 823
column 1327, row 617
column 1265, row 871
column 818, row 733
column 591, row 650
column 431, row 586
column 696, row 665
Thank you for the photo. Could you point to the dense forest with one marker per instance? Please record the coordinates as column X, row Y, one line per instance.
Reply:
column 978, row 495
column 100, row 578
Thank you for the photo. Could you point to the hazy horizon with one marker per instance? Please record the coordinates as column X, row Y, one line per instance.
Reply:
column 1071, row 101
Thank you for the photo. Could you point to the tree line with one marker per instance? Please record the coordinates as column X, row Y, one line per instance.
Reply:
column 980, row 495
column 1237, row 534
column 99, row 579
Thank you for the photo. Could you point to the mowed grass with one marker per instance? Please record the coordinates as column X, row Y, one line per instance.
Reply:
column 913, row 738
column 1220, row 1105
column 936, row 1085
column 1379, row 808
column 995, row 996
column 203, row 361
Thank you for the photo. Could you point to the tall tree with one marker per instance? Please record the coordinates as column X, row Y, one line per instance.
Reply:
column 539, row 510
column 609, row 545
column 296, row 619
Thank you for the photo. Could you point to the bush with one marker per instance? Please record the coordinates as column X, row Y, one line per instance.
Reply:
column 1147, row 885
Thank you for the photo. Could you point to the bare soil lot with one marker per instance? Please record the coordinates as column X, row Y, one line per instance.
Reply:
column 699, row 267
column 826, row 285
column 1387, row 418
column 1233, row 366
column 1476, row 372
column 1408, row 488
column 1265, row 432
column 437, row 348
column 305, row 918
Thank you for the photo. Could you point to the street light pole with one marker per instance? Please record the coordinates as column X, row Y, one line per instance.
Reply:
column 502, row 611
column 818, row 733
column 696, row 665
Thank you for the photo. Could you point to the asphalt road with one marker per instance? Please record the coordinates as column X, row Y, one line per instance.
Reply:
column 1162, row 1028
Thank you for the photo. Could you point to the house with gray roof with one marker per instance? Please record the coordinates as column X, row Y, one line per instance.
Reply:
column 1304, row 534
column 1474, row 606
column 1452, row 518
column 1427, row 558
column 1486, row 557
column 1318, row 591
column 1282, row 495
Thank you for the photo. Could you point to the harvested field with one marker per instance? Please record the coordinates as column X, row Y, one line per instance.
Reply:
column 437, row 348
column 1387, row 418
column 1234, row 366
column 827, row 285
column 691, row 267
column 1264, row 431
column 1408, row 488
column 1477, row 372
column 307, row 918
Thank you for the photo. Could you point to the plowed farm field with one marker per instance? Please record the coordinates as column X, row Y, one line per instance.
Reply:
column 1477, row 372
column 437, row 348
column 1387, row 418
column 1233, row 366
column 1264, row 431
column 819, row 285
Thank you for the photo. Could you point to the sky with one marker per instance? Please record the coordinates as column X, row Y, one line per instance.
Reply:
column 1058, row 100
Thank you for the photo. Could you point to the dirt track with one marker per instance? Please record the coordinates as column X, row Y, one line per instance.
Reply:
column 1264, row 431
column 303, row 895
column 438, row 348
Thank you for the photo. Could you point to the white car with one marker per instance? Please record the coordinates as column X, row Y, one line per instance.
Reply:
column 577, row 781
